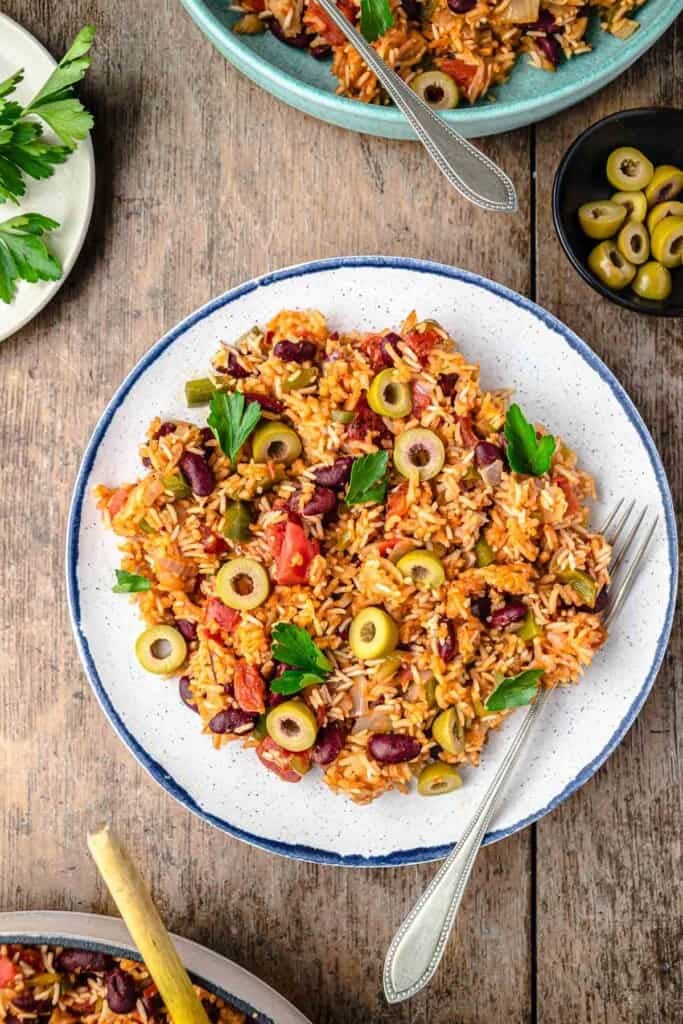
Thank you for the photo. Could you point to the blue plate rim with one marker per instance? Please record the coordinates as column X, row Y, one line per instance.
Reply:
column 163, row 778
column 284, row 82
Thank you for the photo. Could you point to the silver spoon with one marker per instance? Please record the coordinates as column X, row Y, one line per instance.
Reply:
column 467, row 169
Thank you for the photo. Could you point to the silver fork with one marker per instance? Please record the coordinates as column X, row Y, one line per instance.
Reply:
column 418, row 945
column 467, row 169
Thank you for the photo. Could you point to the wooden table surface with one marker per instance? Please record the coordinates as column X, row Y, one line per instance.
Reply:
column 576, row 919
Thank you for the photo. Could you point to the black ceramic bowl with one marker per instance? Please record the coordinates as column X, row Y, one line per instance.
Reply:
column 580, row 178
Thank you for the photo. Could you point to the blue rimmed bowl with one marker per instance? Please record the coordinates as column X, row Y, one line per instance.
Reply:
column 530, row 95
column 559, row 381
column 259, row 1002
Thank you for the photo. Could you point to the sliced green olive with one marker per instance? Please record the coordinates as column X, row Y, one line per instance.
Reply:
column 302, row 378
column 438, row 778
column 483, row 552
column 667, row 182
column 601, row 219
column 667, row 241
column 610, row 267
column 200, row 391
column 275, row 442
column 653, row 281
column 423, row 568
column 634, row 202
column 662, row 210
column 145, row 527
column 430, row 692
column 437, row 89
column 242, row 583
column 529, row 628
column 633, row 242
column 582, row 582
column 419, row 450
column 373, row 634
column 260, row 730
column 293, row 725
column 389, row 396
column 161, row 649
column 344, row 416
column 236, row 521
column 448, row 732
column 177, row 485
column 628, row 169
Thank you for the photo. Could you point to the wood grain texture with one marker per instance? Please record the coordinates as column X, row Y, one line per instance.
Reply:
column 574, row 922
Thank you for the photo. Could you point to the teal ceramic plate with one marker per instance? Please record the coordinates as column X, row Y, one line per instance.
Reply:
column 528, row 96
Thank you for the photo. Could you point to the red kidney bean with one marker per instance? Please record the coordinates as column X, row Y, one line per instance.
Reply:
column 448, row 382
column 233, row 367
column 335, row 476
column 365, row 420
column 448, row 647
column 186, row 695
column 267, row 402
column 299, row 41
column 391, row 338
column 152, row 1005
column 393, row 747
column 322, row 500
column 328, row 744
column 513, row 611
column 231, row 719
column 198, row 473
column 462, row 6
column 295, row 351
column 121, row 993
column 215, row 545
column 165, row 428
column 28, row 1003
column 273, row 699
column 321, row 51
column 550, row 48
column 545, row 22
column 485, row 454
column 206, row 435
column 187, row 628
column 146, row 462
column 413, row 9
column 481, row 607
column 83, row 961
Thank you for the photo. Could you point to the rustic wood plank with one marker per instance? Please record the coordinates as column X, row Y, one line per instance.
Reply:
column 609, row 906
column 185, row 209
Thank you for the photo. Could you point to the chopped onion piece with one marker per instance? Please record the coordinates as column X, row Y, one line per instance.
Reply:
column 522, row 12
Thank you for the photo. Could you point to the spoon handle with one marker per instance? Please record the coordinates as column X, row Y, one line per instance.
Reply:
column 418, row 945
column 466, row 168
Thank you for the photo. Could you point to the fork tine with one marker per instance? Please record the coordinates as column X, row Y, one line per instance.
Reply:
column 625, row 585
column 623, row 519
column 610, row 518
column 618, row 558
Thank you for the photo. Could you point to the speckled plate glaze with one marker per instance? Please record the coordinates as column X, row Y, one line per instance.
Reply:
column 261, row 1003
column 559, row 381
column 528, row 96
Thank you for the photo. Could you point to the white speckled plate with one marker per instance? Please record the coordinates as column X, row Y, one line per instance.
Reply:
column 260, row 1003
column 67, row 196
column 558, row 381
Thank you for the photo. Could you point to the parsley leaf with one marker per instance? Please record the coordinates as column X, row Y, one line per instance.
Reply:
column 129, row 583
column 515, row 691
column 526, row 453
column 23, row 253
column 293, row 646
column 368, row 479
column 375, row 18
column 56, row 103
column 230, row 422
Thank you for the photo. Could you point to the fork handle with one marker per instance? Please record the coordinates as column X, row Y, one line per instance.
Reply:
column 417, row 947
column 467, row 169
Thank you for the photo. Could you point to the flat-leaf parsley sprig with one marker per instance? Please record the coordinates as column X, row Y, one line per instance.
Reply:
column 130, row 583
column 231, row 422
column 375, row 18
column 293, row 646
column 525, row 452
column 23, row 253
column 515, row 691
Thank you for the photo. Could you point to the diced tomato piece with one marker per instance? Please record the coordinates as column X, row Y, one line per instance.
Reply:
column 422, row 397
column 332, row 35
column 469, row 438
column 250, row 690
column 272, row 755
column 573, row 505
column 293, row 552
column 226, row 618
column 8, row 972
column 117, row 501
column 459, row 70
column 397, row 502
column 422, row 343
column 386, row 544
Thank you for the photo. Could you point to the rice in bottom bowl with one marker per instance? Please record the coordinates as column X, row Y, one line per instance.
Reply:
column 523, row 574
